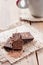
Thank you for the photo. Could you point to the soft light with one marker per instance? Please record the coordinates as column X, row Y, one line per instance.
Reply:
column 23, row 3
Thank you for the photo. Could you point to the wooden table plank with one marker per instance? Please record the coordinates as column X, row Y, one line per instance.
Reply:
column 40, row 56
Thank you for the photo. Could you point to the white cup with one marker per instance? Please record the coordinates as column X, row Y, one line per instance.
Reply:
column 36, row 7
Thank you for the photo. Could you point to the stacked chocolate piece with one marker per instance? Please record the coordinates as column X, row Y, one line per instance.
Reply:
column 26, row 37
column 17, row 40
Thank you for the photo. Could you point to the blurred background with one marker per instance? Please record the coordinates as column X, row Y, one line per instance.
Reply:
column 10, row 13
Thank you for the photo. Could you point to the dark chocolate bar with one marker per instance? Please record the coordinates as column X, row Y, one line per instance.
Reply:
column 15, row 42
column 26, row 36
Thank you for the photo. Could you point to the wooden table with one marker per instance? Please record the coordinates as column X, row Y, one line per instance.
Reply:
column 35, row 58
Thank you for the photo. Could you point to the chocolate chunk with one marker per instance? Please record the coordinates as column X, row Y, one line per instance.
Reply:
column 26, row 37
column 15, row 42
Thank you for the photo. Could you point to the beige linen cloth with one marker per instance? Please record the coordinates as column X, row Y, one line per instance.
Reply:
column 35, row 45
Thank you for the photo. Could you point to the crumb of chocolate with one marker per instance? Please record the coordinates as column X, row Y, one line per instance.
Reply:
column 15, row 54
